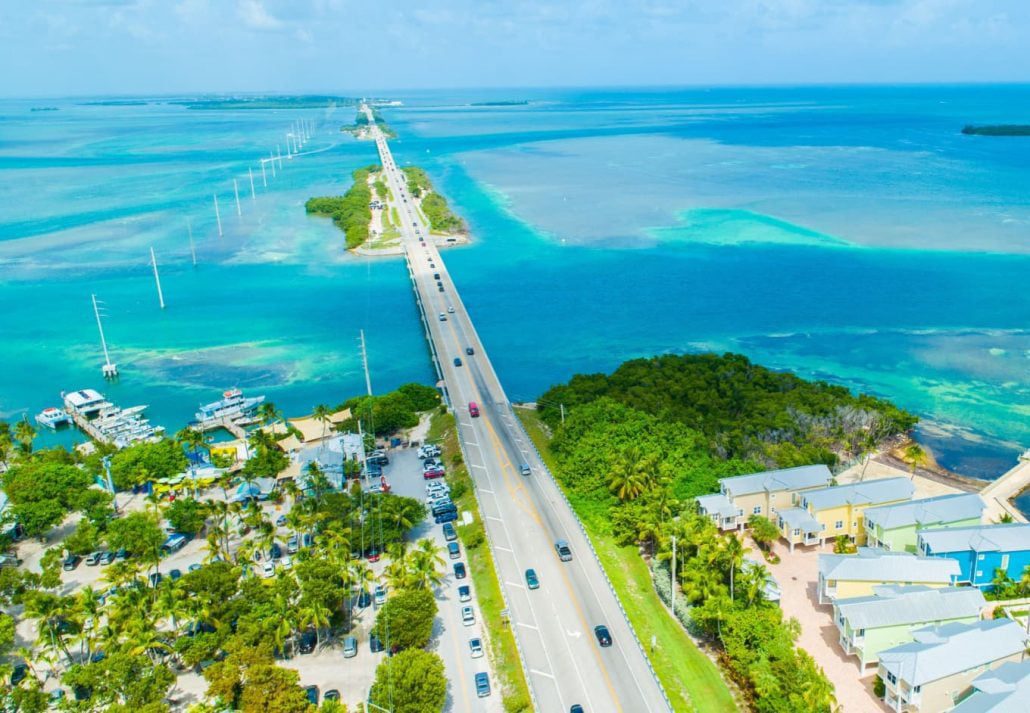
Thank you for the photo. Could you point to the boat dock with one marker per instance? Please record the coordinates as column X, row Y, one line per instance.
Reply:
column 102, row 421
column 999, row 493
column 229, row 425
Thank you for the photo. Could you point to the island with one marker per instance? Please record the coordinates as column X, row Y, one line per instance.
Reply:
column 360, row 129
column 351, row 212
column 303, row 101
column 997, row 130
column 504, row 102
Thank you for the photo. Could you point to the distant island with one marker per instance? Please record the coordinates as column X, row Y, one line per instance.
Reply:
column 43, row 108
column 506, row 102
column 305, row 101
column 997, row 130
column 360, row 127
column 115, row 102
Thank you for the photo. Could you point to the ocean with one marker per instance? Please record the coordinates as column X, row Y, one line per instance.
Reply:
column 851, row 234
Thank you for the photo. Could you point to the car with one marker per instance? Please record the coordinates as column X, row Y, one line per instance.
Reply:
column 155, row 579
column 449, row 516
column 576, row 708
column 459, row 569
column 307, row 540
column 292, row 545
column 275, row 551
column 428, row 450
column 444, row 507
column 438, row 503
column 71, row 562
column 531, row 579
column 374, row 644
column 194, row 567
column 122, row 554
column 18, row 672
column 468, row 617
column 379, row 595
column 308, row 641
column 453, row 550
column 437, row 486
column 476, row 648
column 563, row 550
column 268, row 569
column 436, row 275
column 524, row 469
column 107, row 558
column 364, row 598
column 286, row 562
column 350, row 647
column 604, row 637
column 449, row 533
column 372, row 556
column 431, row 463
column 464, row 593
column 56, row 697
column 450, row 309
column 431, row 473
column 441, row 288
column 469, row 351
column 280, row 521
column 94, row 559
column 473, row 409
column 331, row 695
column 312, row 694
column 457, row 361
column 443, row 317
column 175, row 574
column 482, row 685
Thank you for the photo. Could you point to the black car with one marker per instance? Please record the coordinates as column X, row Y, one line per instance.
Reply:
column 457, row 361
column 312, row 693
column 459, row 570
column 470, row 351
column 107, row 558
column 577, row 708
column 436, row 275
column 604, row 637
column 449, row 516
column 19, row 672
column 364, row 598
column 374, row 645
column 308, row 640
column 71, row 562
column 331, row 695
column 175, row 574
column 441, row 288
column 275, row 551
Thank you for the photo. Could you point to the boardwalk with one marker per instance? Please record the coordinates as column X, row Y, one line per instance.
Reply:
column 524, row 514
column 999, row 493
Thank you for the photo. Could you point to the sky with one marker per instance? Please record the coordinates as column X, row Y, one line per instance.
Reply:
column 102, row 47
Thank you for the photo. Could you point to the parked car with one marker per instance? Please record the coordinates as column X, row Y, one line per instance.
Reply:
column 107, row 558
column 374, row 644
column 350, row 647
column 175, row 574
column 448, row 516
column 604, row 637
column 464, row 593
column 468, row 617
column 364, row 598
column 331, row 695
column 482, row 685
column 379, row 595
column 563, row 550
column 428, row 450
column 194, row 567
column 292, row 545
column 19, row 672
column 531, row 579
column 449, row 533
column 459, row 570
column 280, row 521
column 122, row 554
column 308, row 641
column 476, row 648
column 372, row 556
column 275, row 551
column 71, row 562
column 286, row 562
column 94, row 559
column 453, row 550
column 155, row 579
column 312, row 693
column 268, row 569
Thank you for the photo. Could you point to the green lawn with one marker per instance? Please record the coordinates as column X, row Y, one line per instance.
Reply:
column 503, row 652
column 690, row 679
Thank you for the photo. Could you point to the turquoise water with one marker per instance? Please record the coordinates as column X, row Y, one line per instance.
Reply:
column 848, row 234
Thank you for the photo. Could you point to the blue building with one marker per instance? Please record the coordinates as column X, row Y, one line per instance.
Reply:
column 980, row 550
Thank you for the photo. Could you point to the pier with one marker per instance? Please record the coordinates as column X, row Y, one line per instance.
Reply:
column 999, row 493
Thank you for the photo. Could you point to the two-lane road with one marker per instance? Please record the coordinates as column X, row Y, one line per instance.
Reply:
column 525, row 515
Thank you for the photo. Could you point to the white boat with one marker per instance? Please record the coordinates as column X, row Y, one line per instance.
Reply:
column 52, row 417
column 233, row 405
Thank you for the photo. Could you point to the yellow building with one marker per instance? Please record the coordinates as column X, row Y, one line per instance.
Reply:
column 827, row 513
column 857, row 575
column 763, row 494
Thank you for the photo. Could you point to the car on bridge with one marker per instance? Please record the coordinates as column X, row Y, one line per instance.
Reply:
column 443, row 317
column 524, row 469
column 532, row 581
column 563, row 550
column 457, row 361
column 473, row 409
column 470, row 351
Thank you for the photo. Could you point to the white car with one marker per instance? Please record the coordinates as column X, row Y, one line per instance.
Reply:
column 468, row 617
column 379, row 595
column 450, row 309
column 476, row 648
column 286, row 562
column 437, row 486
column 268, row 569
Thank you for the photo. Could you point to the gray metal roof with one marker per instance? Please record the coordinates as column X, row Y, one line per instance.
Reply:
column 928, row 511
column 1013, row 537
column 716, row 503
column 805, row 476
column 800, row 518
column 895, row 606
column 883, row 490
column 1006, row 689
column 873, row 565
column 952, row 648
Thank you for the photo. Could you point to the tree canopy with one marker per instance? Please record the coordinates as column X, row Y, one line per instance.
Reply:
column 42, row 491
column 412, row 681
column 146, row 461
column 350, row 212
column 406, row 620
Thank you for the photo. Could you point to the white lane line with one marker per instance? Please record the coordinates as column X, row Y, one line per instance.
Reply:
column 478, row 466
column 484, row 490
column 503, row 549
column 541, row 673
column 491, row 517
column 471, row 443
column 526, row 626
column 515, row 584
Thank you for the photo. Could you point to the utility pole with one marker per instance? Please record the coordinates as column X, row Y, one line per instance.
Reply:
column 250, row 172
column 157, row 279
column 562, row 406
column 236, row 192
column 264, row 179
column 673, row 576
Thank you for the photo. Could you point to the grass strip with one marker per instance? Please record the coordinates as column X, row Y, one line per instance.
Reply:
column 691, row 680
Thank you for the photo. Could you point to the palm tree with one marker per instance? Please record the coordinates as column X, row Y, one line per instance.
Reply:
column 322, row 413
column 424, row 565
column 268, row 413
column 170, row 602
column 314, row 615
column 752, row 581
column 734, row 552
column 24, row 433
column 915, row 456
column 630, row 475
column 193, row 440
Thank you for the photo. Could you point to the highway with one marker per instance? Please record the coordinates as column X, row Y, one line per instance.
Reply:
column 525, row 514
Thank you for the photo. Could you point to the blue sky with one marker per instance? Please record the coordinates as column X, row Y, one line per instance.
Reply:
column 65, row 47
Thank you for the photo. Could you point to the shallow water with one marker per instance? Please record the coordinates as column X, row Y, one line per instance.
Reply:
column 847, row 234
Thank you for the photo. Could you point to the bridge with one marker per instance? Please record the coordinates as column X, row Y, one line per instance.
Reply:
column 524, row 514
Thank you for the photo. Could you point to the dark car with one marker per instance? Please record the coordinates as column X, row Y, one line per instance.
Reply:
column 331, row 695
column 275, row 551
column 604, row 637
column 122, row 554
column 449, row 516
column 175, row 575
column 374, row 645
column 448, row 532
column 364, row 598
column 312, row 693
column 107, row 558
column 280, row 521
column 71, row 562
column 19, row 672
column 155, row 579
column 470, row 351
column 308, row 640
column 459, row 570
column 441, row 288
column 577, row 708
column 457, row 361
column 94, row 559
column 436, row 275
column 531, row 579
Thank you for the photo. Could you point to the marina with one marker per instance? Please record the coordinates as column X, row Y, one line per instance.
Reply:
column 103, row 421
column 233, row 406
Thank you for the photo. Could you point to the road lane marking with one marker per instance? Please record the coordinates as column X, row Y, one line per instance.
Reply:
column 479, row 466
column 515, row 584
column 496, row 519
column 526, row 626
column 484, row 490
column 537, row 672
column 503, row 549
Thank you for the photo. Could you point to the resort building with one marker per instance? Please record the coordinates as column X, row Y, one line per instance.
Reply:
column 764, row 494
column 857, row 575
column 980, row 551
column 868, row 625
column 935, row 671
column 893, row 527
column 1005, row 689
column 826, row 513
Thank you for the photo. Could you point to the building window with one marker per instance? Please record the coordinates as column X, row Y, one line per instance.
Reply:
column 916, row 689
column 979, row 573
column 839, row 525
column 892, row 678
column 740, row 513
column 979, row 558
column 757, row 510
column 1005, row 562
column 796, row 532
column 860, row 632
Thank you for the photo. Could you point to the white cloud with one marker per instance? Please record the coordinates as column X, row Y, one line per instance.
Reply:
column 256, row 17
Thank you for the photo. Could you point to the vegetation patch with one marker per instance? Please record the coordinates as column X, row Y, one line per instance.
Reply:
column 434, row 206
column 350, row 212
